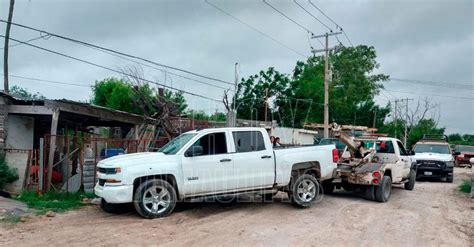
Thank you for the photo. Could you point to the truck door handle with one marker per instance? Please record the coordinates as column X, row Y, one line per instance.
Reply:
column 225, row 160
column 266, row 157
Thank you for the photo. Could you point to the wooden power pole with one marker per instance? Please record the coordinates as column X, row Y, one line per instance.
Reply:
column 5, row 51
column 326, row 78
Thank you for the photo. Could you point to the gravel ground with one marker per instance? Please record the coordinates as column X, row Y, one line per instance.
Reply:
column 433, row 214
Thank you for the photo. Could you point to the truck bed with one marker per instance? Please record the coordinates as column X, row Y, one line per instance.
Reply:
column 285, row 157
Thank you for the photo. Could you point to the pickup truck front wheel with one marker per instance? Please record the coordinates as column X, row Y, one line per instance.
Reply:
column 304, row 191
column 410, row 184
column 154, row 198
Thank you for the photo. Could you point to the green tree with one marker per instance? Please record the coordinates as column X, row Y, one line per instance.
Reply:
column 424, row 127
column 455, row 138
column 251, row 93
column 201, row 115
column 142, row 99
column 24, row 93
column 300, row 98
column 116, row 94
column 415, row 133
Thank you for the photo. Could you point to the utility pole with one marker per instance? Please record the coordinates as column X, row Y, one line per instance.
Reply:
column 234, row 103
column 406, row 121
column 326, row 78
column 395, row 117
column 5, row 51
column 266, row 103
column 375, row 118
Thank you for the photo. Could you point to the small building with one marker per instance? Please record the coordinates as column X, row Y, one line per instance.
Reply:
column 64, row 126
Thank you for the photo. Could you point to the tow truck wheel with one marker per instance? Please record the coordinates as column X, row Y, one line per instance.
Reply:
column 384, row 190
column 154, row 198
column 304, row 191
column 411, row 181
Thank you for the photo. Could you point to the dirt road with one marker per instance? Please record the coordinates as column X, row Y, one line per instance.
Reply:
column 433, row 214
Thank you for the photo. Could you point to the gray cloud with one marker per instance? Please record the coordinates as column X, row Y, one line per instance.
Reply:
column 425, row 40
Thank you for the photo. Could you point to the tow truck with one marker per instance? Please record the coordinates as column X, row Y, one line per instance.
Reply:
column 371, row 164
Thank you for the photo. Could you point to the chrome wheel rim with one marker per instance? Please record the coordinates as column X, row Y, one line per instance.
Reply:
column 306, row 190
column 156, row 199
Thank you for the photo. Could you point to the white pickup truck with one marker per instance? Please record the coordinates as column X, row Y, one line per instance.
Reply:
column 213, row 162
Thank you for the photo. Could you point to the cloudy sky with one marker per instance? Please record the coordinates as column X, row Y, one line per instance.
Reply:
column 416, row 40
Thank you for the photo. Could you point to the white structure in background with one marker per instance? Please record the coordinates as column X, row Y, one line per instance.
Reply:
column 292, row 136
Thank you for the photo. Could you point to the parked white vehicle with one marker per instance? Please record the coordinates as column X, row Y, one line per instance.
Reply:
column 435, row 158
column 213, row 162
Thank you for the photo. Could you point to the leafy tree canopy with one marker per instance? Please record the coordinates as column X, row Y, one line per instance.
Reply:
column 140, row 99
column 299, row 98
column 24, row 93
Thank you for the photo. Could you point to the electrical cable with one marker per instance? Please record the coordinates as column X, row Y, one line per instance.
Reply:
column 110, row 69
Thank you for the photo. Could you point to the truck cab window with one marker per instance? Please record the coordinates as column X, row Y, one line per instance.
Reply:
column 403, row 151
column 212, row 144
column 248, row 141
column 385, row 147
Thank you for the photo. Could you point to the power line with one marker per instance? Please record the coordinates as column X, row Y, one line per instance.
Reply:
column 309, row 13
column 436, row 95
column 437, row 84
column 48, row 81
column 254, row 28
column 118, row 52
column 329, row 18
column 110, row 69
column 287, row 17
column 30, row 40
column 162, row 70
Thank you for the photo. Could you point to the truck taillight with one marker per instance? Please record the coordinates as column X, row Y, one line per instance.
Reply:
column 376, row 174
column 335, row 156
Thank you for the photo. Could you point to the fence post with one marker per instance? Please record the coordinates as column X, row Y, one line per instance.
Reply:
column 41, row 166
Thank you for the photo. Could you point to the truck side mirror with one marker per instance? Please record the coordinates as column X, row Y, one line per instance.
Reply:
column 194, row 151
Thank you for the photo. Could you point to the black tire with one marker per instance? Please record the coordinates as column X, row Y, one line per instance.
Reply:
column 328, row 187
column 384, row 190
column 150, row 195
column 114, row 208
column 369, row 192
column 411, row 181
column 304, row 191
column 449, row 178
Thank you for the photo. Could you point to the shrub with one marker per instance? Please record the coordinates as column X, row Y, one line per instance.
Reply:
column 7, row 174
column 465, row 186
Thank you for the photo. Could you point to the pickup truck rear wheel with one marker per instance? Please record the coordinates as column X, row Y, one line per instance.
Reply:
column 384, row 190
column 411, row 181
column 155, row 198
column 304, row 190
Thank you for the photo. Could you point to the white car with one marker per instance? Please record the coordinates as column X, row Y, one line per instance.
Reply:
column 434, row 159
column 213, row 162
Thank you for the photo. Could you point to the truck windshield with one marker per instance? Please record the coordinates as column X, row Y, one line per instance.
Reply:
column 431, row 148
column 176, row 144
